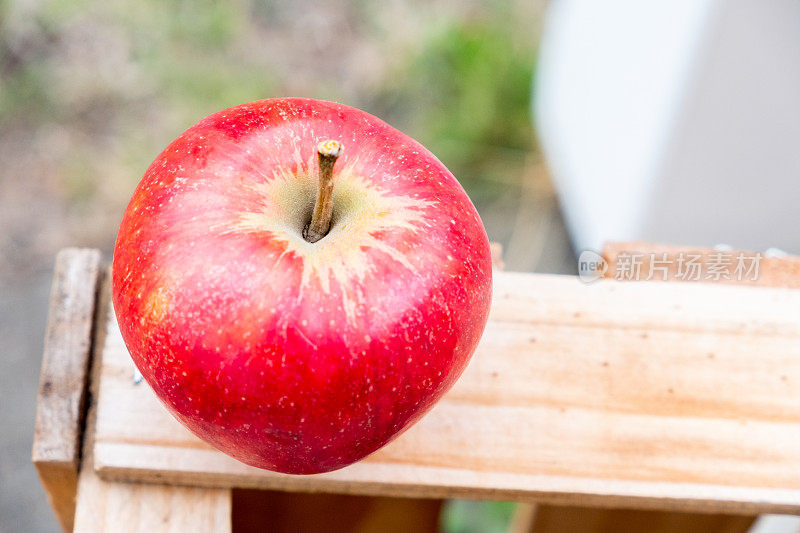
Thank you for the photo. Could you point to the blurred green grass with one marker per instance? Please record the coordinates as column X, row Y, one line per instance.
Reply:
column 467, row 516
column 135, row 74
column 476, row 80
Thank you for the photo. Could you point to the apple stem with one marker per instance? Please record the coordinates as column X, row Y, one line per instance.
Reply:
column 328, row 152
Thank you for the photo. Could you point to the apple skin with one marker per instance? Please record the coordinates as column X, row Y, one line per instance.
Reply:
column 291, row 356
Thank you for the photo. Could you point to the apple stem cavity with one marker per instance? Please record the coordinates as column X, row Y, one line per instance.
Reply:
column 328, row 152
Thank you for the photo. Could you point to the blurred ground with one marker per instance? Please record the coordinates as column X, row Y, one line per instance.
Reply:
column 23, row 310
column 92, row 90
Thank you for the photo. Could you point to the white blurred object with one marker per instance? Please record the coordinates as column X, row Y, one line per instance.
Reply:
column 676, row 122
column 776, row 523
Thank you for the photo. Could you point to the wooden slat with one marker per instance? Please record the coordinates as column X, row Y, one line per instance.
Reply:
column 118, row 507
column 777, row 272
column 646, row 395
column 63, row 378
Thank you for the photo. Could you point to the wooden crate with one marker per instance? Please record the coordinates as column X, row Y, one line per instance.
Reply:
column 647, row 395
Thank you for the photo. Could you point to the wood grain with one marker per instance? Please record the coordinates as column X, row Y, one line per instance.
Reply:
column 63, row 378
column 118, row 507
column 647, row 395
column 543, row 518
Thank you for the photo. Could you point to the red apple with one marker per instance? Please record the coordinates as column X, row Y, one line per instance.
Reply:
column 290, row 355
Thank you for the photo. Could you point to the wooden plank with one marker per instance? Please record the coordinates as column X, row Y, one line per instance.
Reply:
column 549, row 518
column 63, row 378
column 118, row 507
column 646, row 395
